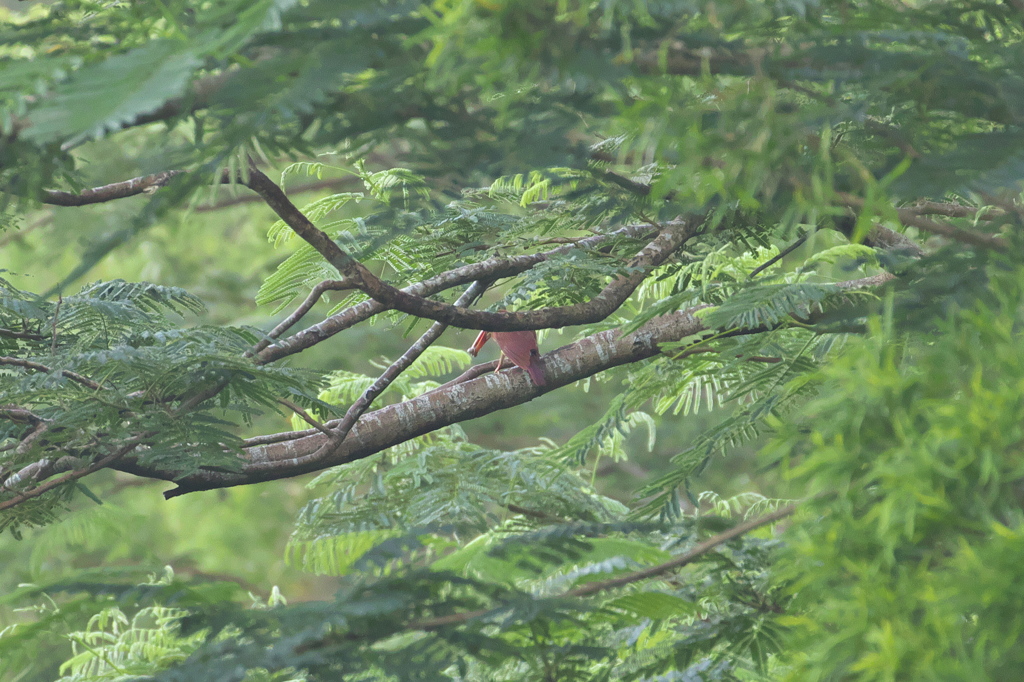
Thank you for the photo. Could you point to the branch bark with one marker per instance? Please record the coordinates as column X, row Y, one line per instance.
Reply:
column 117, row 190
column 672, row 236
column 913, row 217
column 496, row 268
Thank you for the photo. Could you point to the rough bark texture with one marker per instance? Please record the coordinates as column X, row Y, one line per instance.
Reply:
column 460, row 402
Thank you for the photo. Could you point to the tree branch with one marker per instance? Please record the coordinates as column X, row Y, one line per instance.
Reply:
column 605, row 303
column 394, row 424
column 391, row 373
column 28, row 364
column 117, row 190
column 909, row 216
column 287, row 454
column 101, row 463
column 496, row 268
column 675, row 563
column 311, row 300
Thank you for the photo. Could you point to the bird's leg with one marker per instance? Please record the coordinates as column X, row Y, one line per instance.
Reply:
column 501, row 359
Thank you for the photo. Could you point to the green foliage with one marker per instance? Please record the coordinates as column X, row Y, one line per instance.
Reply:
column 900, row 567
column 798, row 137
column 108, row 360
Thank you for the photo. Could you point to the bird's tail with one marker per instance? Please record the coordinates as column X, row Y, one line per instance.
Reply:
column 536, row 370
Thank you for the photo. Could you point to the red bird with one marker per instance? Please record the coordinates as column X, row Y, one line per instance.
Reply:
column 519, row 347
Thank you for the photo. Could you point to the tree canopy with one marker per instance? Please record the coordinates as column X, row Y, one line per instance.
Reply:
column 786, row 226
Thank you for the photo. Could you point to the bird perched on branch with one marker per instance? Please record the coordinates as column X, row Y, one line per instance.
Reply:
column 519, row 347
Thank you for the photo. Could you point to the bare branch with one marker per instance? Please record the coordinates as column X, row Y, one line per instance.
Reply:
column 491, row 269
column 910, row 217
column 595, row 310
column 305, row 416
column 28, row 364
column 117, row 190
column 307, row 305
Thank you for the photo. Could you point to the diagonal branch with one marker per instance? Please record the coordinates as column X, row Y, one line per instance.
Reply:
column 307, row 305
column 675, row 563
column 391, row 373
column 598, row 308
column 496, row 268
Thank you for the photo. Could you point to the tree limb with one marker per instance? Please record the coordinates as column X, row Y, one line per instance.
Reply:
column 74, row 475
column 311, row 300
column 395, row 424
column 598, row 308
column 28, row 364
column 117, row 190
column 496, row 268
column 909, row 216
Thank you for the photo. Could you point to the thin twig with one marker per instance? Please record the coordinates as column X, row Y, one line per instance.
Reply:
column 533, row 513
column 781, row 254
column 311, row 300
column 28, row 364
column 18, row 235
column 470, row 374
column 305, row 416
column 53, row 325
column 673, row 564
column 356, row 410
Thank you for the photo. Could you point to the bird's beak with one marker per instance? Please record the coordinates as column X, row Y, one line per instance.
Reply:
column 481, row 339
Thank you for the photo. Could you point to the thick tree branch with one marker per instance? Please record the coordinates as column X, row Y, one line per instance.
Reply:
column 398, row 423
column 287, row 454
